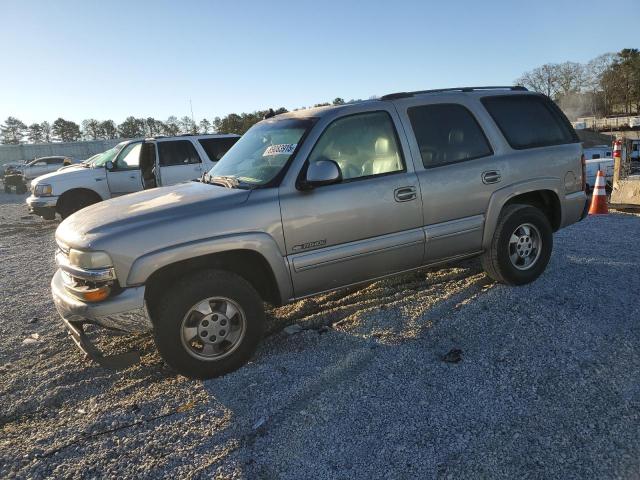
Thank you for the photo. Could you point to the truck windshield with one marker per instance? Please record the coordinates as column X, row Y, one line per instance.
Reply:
column 102, row 158
column 262, row 152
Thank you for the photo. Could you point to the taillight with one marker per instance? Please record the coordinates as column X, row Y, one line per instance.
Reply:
column 583, row 160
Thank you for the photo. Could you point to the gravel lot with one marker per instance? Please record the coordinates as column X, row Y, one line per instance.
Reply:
column 548, row 384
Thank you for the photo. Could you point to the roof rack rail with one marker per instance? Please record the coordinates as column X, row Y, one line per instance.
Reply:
column 393, row 96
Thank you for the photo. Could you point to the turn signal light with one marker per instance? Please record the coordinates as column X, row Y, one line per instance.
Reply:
column 96, row 295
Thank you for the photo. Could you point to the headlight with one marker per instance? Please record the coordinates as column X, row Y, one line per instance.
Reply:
column 89, row 260
column 43, row 190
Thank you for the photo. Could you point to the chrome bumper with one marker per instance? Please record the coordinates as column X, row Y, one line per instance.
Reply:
column 126, row 311
column 41, row 202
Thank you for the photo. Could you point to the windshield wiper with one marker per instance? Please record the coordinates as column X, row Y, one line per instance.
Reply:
column 228, row 181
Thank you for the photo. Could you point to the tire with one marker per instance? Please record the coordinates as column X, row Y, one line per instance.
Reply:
column 7, row 188
column 175, row 321
column 497, row 260
column 21, row 189
column 74, row 201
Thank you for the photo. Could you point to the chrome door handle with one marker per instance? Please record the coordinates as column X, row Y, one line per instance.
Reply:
column 492, row 176
column 405, row 194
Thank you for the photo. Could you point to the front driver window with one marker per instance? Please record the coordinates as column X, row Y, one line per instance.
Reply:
column 362, row 145
column 129, row 158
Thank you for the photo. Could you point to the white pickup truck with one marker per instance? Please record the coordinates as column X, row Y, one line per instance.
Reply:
column 128, row 167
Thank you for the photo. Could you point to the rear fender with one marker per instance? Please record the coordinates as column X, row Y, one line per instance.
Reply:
column 502, row 196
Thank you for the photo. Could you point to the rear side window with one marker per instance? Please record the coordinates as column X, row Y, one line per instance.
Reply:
column 179, row 152
column 447, row 133
column 217, row 147
column 529, row 121
column 54, row 160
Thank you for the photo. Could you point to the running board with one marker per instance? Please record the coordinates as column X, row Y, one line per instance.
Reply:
column 113, row 362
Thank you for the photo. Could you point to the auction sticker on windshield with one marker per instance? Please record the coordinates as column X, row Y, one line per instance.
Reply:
column 280, row 149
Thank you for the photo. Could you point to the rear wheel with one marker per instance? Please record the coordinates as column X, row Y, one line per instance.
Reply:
column 73, row 201
column 7, row 188
column 21, row 188
column 521, row 246
column 208, row 323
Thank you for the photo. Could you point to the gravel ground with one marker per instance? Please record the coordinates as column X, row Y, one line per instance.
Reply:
column 547, row 385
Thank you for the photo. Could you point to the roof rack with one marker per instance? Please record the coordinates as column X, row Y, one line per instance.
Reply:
column 393, row 96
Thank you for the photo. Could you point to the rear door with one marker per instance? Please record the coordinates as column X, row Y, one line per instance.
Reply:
column 178, row 161
column 457, row 171
column 125, row 176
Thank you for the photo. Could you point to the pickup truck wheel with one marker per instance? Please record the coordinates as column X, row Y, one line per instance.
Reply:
column 208, row 324
column 7, row 188
column 74, row 201
column 521, row 246
column 21, row 188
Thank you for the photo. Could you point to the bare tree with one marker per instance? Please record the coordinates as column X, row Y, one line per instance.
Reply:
column 542, row 79
column 46, row 131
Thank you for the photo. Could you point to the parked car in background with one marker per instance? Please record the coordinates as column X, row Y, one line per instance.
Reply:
column 321, row 199
column 44, row 165
column 598, row 158
column 128, row 167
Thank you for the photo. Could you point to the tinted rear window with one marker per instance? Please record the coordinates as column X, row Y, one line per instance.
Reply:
column 447, row 133
column 179, row 152
column 217, row 147
column 529, row 121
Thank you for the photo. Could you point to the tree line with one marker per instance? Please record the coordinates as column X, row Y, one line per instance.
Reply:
column 607, row 85
column 13, row 131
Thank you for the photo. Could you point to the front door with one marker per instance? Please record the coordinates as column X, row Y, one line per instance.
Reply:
column 366, row 226
column 125, row 177
column 179, row 161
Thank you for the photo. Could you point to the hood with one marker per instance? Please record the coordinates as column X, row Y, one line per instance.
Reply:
column 72, row 171
column 147, row 209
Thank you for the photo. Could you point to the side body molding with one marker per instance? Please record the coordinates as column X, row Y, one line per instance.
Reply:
column 503, row 195
column 261, row 243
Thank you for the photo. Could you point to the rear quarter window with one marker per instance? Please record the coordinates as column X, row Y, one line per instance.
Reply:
column 529, row 121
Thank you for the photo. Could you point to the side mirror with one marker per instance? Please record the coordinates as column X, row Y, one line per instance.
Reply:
column 109, row 165
column 323, row 172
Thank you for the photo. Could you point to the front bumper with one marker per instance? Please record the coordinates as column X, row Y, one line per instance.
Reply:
column 42, row 206
column 126, row 311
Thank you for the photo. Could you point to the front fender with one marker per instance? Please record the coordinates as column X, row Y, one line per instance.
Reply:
column 500, row 197
column 261, row 243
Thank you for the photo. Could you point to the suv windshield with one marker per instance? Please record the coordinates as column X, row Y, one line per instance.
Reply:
column 262, row 152
column 102, row 158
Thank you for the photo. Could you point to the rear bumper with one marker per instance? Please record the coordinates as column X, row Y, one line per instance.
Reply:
column 42, row 206
column 574, row 208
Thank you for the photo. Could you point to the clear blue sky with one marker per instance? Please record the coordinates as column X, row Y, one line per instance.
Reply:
column 109, row 59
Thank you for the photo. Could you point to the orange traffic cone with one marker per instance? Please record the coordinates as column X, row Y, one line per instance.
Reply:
column 599, row 198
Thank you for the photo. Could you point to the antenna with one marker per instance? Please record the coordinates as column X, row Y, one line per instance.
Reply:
column 191, row 106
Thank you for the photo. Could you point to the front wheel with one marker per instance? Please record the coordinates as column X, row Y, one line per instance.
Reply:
column 521, row 246
column 73, row 201
column 208, row 323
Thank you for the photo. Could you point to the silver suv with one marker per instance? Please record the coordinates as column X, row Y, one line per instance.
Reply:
column 317, row 200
